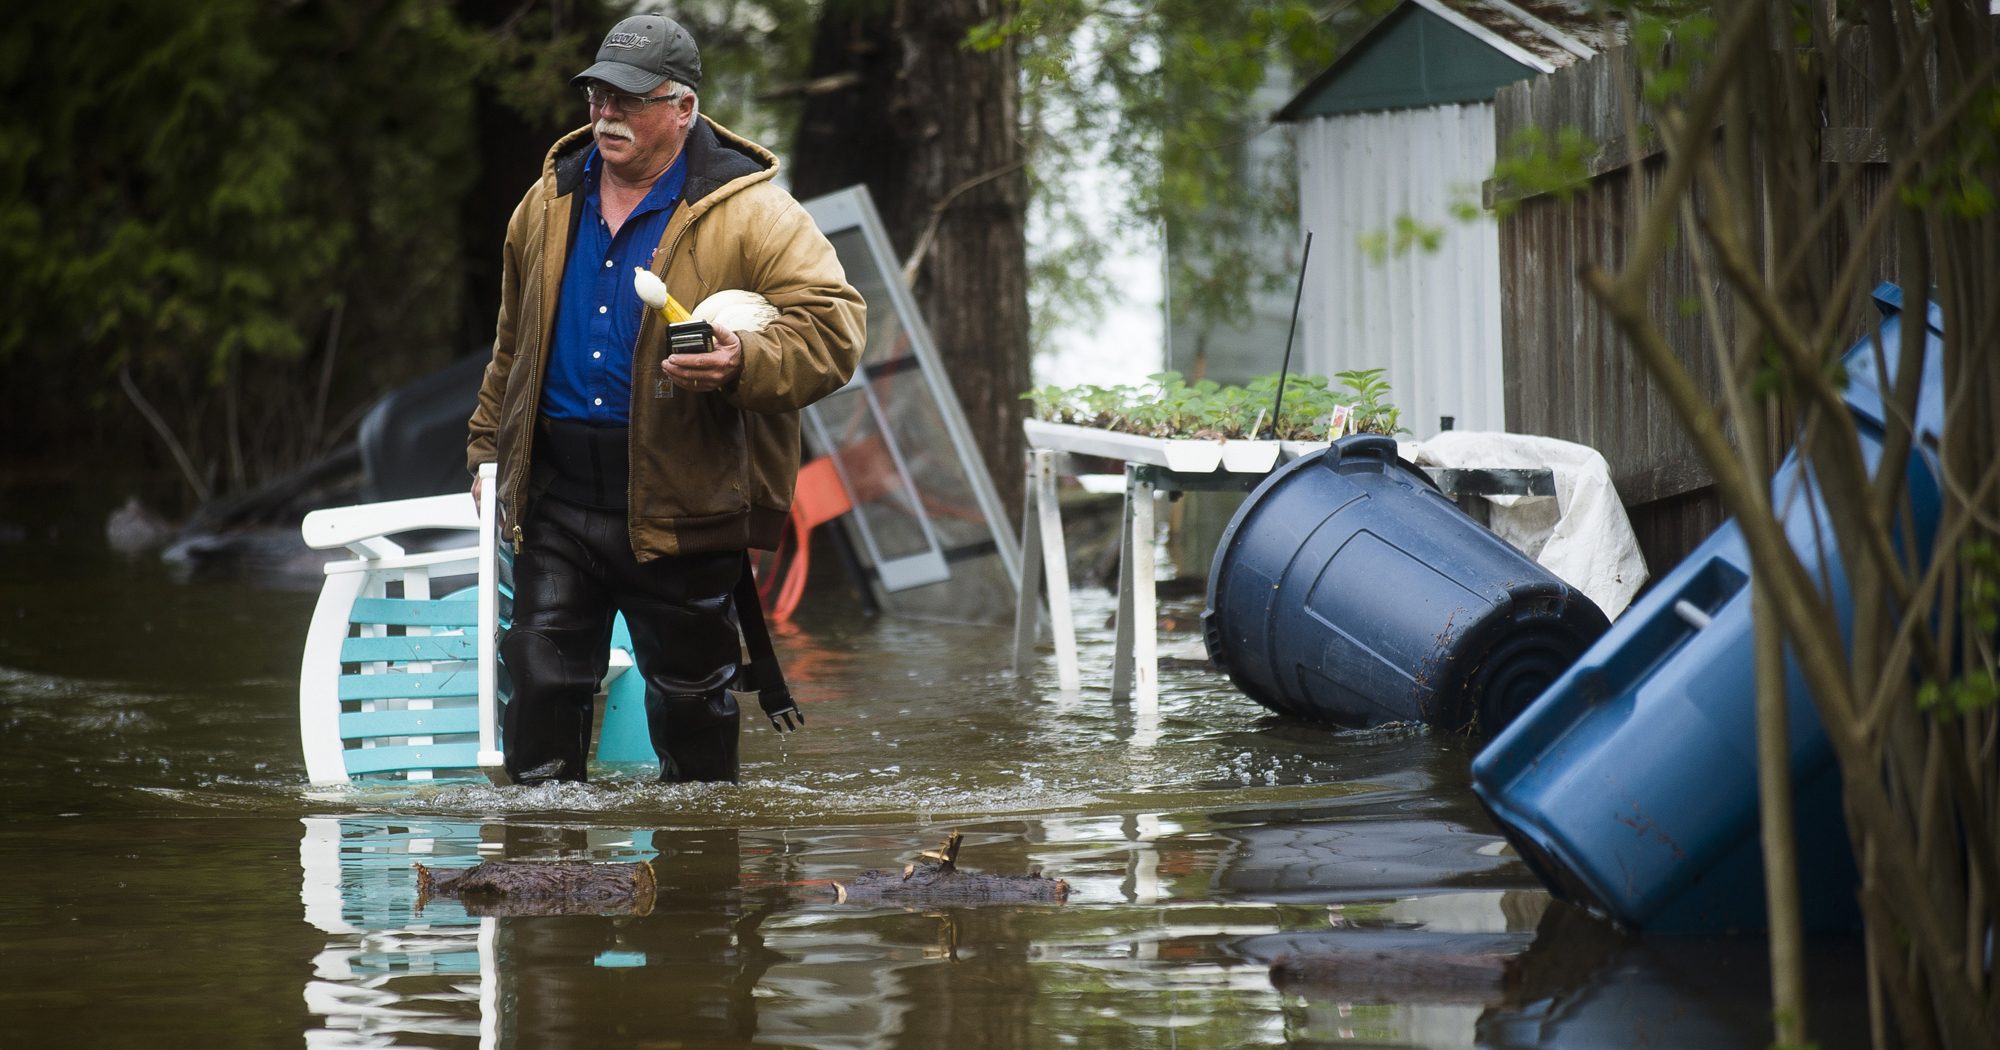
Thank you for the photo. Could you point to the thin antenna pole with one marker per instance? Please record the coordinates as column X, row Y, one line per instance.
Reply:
column 1290, row 332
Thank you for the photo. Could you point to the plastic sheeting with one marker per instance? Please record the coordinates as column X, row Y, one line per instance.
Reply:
column 1582, row 535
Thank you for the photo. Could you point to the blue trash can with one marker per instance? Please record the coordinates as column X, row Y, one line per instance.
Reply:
column 1348, row 590
column 1631, row 785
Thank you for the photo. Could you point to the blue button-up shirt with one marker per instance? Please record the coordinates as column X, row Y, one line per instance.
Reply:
column 598, row 315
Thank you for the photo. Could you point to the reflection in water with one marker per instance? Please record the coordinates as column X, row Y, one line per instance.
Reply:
column 745, row 942
column 393, row 968
column 745, row 945
column 387, row 969
column 153, row 841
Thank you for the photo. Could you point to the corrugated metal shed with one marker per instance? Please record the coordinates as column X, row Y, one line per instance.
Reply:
column 1431, row 318
column 1401, row 125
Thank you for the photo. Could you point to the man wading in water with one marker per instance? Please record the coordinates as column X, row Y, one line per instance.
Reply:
column 632, row 479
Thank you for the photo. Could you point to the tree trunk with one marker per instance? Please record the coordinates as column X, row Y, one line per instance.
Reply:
column 848, row 132
column 932, row 128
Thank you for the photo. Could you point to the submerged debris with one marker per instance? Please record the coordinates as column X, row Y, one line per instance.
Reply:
column 1400, row 976
column 136, row 528
column 939, row 881
column 542, row 888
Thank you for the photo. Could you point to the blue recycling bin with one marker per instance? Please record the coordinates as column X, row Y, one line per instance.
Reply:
column 1630, row 787
column 1347, row 589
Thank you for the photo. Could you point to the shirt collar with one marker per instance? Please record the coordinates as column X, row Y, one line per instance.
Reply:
column 666, row 189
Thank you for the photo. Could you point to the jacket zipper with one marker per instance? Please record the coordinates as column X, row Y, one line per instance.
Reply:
column 632, row 431
column 534, row 387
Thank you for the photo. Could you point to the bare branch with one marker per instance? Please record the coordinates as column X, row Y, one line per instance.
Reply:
column 923, row 245
column 166, row 434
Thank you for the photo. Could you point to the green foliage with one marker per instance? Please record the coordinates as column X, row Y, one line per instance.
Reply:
column 754, row 54
column 161, row 206
column 1977, row 688
column 1403, row 235
column 1370, row 400
column 1465, row 204
column 1533, row 163
column 1956, row 184
column 178, row 201
column 1165, row 93
column 1973, row 692
column 207, row 194
column 1981, row 587
column 1170, row 407
column 1671, row 42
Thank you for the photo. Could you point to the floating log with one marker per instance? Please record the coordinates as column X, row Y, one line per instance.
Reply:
column 938, row 880
column 542, row 888
column 1399, row 977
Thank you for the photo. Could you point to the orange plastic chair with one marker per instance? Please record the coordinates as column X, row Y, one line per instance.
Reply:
column 817, row 498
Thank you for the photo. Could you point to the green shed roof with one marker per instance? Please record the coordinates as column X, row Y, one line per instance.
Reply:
column 1411, row 58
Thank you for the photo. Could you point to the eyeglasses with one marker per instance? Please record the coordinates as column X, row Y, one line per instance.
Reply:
column 621, row 102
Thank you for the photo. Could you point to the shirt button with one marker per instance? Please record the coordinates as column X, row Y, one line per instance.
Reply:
column 607, row 264
column 595, row 354
column 603, row 309
column 596, row 400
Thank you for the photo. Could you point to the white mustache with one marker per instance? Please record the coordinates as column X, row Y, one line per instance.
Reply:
column 608, row 126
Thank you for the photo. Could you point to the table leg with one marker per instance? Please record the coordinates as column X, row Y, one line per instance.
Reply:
column 1028, row 598
column 1055, row 565
column 1135, row 653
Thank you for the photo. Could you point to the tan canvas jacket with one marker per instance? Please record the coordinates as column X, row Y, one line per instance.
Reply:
column 709, row 471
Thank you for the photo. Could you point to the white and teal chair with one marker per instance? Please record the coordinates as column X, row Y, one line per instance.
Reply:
column 359, row 891
column 401, row 682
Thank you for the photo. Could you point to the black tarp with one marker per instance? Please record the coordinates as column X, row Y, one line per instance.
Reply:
column 413, row 440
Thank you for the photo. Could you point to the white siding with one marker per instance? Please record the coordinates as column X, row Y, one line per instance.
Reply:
column 1432, row 319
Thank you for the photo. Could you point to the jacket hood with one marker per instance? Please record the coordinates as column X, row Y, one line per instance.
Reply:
column 717, row 157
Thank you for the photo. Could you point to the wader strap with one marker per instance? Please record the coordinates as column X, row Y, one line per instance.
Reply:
column 762, row 675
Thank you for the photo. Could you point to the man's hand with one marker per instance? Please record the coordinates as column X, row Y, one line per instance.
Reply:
column 710, row 371
column 477, row 483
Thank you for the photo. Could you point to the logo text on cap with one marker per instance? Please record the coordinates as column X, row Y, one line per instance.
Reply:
column 632, row 41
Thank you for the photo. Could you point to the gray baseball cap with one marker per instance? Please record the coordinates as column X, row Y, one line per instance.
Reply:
column 643, row 52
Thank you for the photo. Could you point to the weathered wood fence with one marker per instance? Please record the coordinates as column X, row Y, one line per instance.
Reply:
column 1569, row 374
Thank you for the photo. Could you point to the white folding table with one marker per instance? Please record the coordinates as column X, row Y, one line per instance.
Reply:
column 1153, row 466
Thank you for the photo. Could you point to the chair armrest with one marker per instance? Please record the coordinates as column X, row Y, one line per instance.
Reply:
column 440, row 563
column 363, row 527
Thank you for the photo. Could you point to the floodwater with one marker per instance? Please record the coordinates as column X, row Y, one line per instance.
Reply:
column 170, row 879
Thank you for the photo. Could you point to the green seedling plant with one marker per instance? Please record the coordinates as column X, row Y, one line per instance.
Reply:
column 1171, row 407
column 1370, row 400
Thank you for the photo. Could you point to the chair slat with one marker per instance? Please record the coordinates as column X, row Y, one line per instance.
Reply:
column 434, row 685
column 421, row 756
column 443, row 721
column 415, row 612
column 399, row 649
